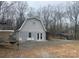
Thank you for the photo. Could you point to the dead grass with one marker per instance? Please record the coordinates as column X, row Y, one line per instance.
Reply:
column 64, row 51
column 69, row 50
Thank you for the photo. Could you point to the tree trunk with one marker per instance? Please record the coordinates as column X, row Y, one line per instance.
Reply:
column 75, row 28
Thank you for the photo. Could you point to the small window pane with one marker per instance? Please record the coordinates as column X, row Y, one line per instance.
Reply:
column 30, row 34
column 37, row 35
column 41, row 35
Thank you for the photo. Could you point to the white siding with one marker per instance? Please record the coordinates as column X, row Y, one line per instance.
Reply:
column 33, row 26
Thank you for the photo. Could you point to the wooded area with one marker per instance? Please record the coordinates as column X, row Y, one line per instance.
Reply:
column 55, row 18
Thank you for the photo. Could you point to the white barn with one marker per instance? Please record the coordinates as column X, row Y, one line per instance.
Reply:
column 32, row 29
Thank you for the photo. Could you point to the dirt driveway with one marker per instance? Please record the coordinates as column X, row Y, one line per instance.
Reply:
column 51, row 49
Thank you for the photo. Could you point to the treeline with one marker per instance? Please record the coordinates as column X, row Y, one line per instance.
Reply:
column 60, row 19
column 12, row 14
column 57, row 19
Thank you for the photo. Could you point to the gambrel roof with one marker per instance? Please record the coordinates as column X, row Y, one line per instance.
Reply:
column 32, row 19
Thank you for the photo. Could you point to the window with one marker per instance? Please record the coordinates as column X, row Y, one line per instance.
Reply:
column 41, row 36
column 37, row 35
column 30, row 35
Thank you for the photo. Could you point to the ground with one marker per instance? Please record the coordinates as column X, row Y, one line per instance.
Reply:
column 51, row 49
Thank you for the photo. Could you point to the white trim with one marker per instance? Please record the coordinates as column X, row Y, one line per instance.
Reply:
column 40, row 40
column 29, row 19
column 30, row 38
column 42, row 25
column 22, row 25
column 6, row 30
column 20, row 39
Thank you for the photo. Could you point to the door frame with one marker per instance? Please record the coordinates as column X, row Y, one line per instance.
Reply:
column 39, row 37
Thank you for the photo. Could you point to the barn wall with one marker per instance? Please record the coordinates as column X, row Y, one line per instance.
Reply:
column 34, row 26
column 23, row 35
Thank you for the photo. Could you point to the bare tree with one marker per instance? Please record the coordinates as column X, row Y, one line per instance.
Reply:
column 5, row 12
column 14, row 12
column 31, row 12
column 52, row 17
column 21, row 10
column 73, row 12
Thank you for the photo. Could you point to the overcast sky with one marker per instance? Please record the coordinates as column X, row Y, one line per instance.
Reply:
column 37, row 4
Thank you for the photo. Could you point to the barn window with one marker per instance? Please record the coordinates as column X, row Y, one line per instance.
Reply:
column 41, row 36
column 29, row 34
column 37, row 35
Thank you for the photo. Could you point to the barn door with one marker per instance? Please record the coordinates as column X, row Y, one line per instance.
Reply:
column 39, row 36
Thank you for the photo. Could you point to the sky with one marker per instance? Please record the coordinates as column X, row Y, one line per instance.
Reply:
column 37, row 4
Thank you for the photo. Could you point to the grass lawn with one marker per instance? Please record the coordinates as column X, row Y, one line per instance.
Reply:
column 56, row 48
